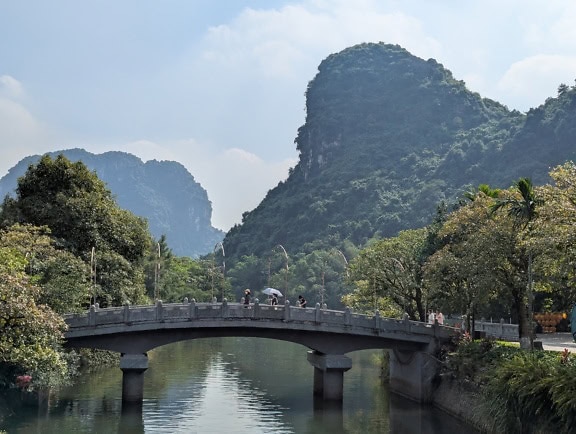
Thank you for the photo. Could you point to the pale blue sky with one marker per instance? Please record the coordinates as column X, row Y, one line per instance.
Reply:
column 219, row 85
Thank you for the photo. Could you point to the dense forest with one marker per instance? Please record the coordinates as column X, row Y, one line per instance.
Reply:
column 388, row 136
column 389, row 140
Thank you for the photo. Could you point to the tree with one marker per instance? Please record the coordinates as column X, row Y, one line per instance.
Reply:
column 62, row 277
column 185, row 277
column 484, row 255
column 30, row 333
column 471, row 263
column 482, row 188
column 521, row 206
column 83, row 217
column 250, row 271
column 118, row 281
column 553, row 238
column 156, row 263
column 391, row 269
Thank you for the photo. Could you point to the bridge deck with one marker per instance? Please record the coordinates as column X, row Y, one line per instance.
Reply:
column 150, row 326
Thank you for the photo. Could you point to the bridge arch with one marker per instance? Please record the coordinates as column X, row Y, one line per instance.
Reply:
column 329, row 334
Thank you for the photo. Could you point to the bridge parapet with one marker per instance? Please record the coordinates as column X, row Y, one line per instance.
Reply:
column 192, row 311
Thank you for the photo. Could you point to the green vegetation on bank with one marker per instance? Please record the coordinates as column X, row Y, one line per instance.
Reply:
column 496, row 254
column 65, row 244
column 520, row 392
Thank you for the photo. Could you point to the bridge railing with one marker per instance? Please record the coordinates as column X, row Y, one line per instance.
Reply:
column 190, row 311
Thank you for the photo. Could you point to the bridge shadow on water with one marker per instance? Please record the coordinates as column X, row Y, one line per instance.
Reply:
column 405, row 417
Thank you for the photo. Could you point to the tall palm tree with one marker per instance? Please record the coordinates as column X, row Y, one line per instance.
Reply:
column 523, row 211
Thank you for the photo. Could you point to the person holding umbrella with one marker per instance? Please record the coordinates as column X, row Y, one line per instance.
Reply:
column 274, row 301
column 272, row 293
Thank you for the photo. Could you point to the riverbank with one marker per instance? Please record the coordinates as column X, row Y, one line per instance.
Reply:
column 462, row 401
column 461, row 395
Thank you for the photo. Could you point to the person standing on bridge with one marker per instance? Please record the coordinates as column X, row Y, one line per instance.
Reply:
column 246, row 297
column 439, row 317
column 301, row 301
column 274, row 301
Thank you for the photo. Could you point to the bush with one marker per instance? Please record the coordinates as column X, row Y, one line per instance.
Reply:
column 523, row 392
column 473, row 360
column 517, row 396
column 532, row 392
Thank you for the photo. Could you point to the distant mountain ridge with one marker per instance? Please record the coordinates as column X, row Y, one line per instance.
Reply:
column 163, row 192
column 387, row 137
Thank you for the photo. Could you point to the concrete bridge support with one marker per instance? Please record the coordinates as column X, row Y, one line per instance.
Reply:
column 329, row 374
column 133, row 367
column 412, row 374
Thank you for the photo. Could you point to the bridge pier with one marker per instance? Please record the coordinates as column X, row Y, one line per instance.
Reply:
column 133, row 367
column 329, row 374
column 412, row 374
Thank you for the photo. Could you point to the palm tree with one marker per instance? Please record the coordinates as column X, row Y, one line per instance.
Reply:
column 523, row 211
column 482, row 188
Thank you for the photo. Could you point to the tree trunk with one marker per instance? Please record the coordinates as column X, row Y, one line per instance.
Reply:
column 524, row 324
column 420, row 306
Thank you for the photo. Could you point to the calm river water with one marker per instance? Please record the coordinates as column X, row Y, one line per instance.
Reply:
column 229, row 385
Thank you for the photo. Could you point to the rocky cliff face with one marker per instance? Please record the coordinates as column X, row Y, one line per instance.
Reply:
column 163, row 192
column 380, row 93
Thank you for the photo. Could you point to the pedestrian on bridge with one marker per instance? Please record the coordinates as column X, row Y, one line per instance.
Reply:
column 301, row 301
column 246, row 297
column 440, row 317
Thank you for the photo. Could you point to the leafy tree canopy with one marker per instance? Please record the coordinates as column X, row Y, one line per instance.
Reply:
column 30, row 333
column 84, row 220
column 391, row 269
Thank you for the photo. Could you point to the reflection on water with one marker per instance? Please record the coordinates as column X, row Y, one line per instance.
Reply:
column 228, row 385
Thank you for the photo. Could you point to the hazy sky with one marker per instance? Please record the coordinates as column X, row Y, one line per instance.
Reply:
column 218, row 85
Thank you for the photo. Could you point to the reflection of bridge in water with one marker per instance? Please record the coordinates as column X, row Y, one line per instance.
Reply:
column 134, row 330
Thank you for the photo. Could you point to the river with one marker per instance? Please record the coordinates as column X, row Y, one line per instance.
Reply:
column 229, row 385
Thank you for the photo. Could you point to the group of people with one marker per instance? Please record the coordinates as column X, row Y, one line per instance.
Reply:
column 435, row 316
column 273, row 299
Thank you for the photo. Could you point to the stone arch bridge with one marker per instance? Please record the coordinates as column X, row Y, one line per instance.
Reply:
column 329, row 334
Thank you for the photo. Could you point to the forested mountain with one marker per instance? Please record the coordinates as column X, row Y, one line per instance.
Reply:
column 163, row 192
column 387, row 137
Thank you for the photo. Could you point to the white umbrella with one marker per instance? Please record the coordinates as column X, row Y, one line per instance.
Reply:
column 272, row 291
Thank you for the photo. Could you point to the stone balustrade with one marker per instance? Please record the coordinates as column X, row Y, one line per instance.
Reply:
column 193, row 311
column 498, row 330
